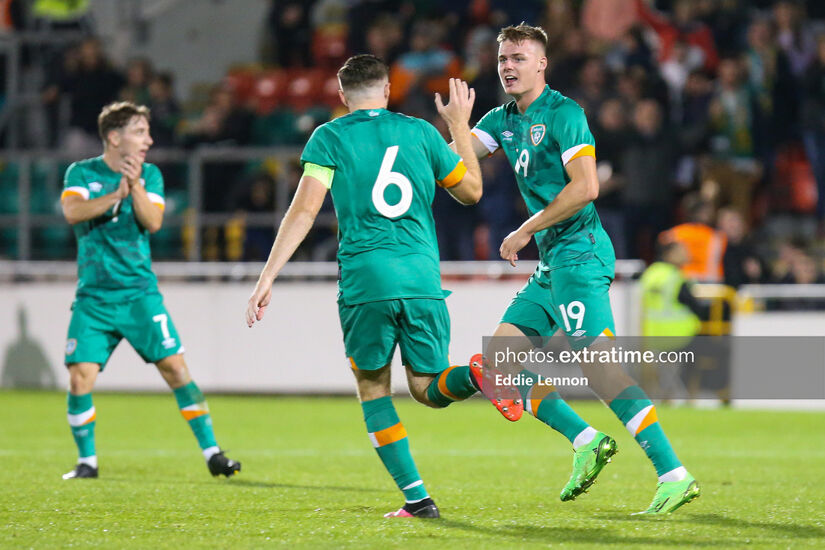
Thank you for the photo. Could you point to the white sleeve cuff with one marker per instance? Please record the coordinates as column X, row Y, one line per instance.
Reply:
column 156, row 199
column 82, row 191
column 570, row 153
column 489, row 142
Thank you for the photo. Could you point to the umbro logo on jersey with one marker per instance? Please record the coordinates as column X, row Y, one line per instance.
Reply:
column 537, row 132
column 579, row 333
column 95, row 186
column 507, row 135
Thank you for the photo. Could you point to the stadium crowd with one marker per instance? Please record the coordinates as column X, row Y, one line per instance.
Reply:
column 710, row 112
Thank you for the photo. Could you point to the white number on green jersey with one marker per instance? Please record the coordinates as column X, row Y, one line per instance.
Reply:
column 522, row 161
column 574, row 310
column 387, row 177
column 163, row 319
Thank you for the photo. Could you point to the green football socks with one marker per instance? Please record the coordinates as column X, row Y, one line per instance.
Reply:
column 194, row 409
column 638, row 414
column 545, row 403
column 82, row 415
column 390, row 440
column 453, row 384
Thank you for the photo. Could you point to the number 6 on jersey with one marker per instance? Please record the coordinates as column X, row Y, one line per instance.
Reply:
column 387, row 177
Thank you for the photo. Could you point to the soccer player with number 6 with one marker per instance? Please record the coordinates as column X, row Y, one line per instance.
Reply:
column 545, row 137
column 113, row 203
column 381, row 169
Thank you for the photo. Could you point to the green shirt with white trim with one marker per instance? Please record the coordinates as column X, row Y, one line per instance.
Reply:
column 386, row 168
column 114, row 260
column 539, row 143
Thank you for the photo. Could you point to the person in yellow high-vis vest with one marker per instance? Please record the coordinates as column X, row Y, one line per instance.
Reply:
column 670, row 313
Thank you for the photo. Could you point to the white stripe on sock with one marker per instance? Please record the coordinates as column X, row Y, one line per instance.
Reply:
column 209, row 452
column 634, row 423
column 419, row 500
column 677, row 474
column 585, row 437
column 413, row 484
column 76, row 420
column 90, row 460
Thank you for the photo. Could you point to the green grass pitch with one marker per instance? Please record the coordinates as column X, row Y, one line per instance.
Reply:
column 311, row 479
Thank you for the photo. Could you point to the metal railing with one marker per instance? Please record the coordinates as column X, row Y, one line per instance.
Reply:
column 194, row 219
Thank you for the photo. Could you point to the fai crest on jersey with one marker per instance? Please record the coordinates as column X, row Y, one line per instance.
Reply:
column 71, row 345
column 95, row 186
column 537, row 133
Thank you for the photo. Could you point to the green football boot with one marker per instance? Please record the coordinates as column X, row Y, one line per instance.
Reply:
column 588, row 461
column 672, row 494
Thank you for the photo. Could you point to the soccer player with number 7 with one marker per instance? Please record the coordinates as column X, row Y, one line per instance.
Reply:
column 114, row 202
column 545, row 137
column 382, row 169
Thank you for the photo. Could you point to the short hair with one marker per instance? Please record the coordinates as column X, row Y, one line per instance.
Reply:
column 359, row 71
column 521, row 32
column 117, row 115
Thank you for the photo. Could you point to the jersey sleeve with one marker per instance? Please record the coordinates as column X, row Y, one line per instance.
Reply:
column 572, row 133
column 153, row 183
column 486, row 130
column 74, row 184
column 317, row 149
column 447, row 165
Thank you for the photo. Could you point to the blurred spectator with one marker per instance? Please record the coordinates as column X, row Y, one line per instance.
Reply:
column 139, row 73
column 592, row 86
column 734, row 166
column 222, row 122
column 607, row 19
column 694, row 112
column 612, row 136
column 648, row 168
column 630, row 50
column 90, row 83
column 257, row 195
column 225, row 123
column 774, row 86
column 425, row 69
column 683, row 27
column 384, row 38
column 742, row 264
column 794, row 35
column 814, row 123
column 501, row 206
column 166, row 111
column 288, row 34
column 566, row 63
column 705, row 245
column 481, row 71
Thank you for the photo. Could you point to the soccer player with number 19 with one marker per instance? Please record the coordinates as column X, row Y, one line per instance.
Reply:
column 549, row 145
column 381, row 169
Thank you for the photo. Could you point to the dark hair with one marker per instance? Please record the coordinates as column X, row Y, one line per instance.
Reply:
column 521, row 32
column 115, row 116
column 360, row 71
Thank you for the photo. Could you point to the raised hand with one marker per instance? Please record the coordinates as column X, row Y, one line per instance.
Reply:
column 131, row 169
column 460, row 107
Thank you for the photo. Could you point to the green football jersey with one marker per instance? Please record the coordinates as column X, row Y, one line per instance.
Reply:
column 539, row 143
column 113, row 257
column 386, row 168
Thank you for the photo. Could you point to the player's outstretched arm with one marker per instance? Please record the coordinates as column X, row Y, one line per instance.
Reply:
column 76, row 209
column 457, row 116
column 582, row 189
column 294, row 228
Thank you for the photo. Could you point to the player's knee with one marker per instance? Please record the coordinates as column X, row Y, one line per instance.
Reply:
column 81, row 379
column 174, row 370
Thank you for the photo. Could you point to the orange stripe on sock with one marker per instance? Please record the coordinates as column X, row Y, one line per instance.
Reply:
column 189, row 415
column 537, row 394
column 442, row 384
column 390, row 435
column 649, row 419
column 92, row 419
